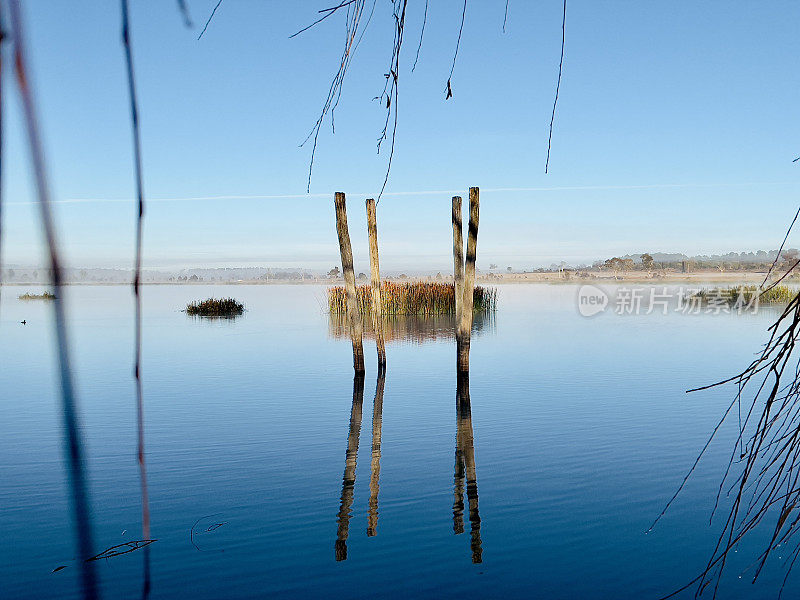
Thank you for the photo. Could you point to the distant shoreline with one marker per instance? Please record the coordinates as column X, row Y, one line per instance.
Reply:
column 555, row 278
column 654, row 278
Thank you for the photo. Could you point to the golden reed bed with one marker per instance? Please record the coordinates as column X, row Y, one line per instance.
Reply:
column 415, row 298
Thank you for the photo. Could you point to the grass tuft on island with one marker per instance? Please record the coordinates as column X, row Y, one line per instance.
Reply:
column 213, row 307
column 42, row 296
column 418, row 298
column 780, row 294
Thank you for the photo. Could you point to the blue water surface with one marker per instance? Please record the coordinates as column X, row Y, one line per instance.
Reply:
column 582, row 431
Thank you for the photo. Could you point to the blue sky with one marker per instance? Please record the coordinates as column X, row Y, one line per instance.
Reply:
column 675, row 131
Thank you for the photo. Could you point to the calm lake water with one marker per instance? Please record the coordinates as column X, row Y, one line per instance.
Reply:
column 580, row 432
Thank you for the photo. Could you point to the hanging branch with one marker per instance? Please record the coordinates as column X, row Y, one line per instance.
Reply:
column 421, row 33
column 448, row 89
column 184, row 9
column 783, row 243
column 558, row 85
column 2, row 39
column 354, row 12
column 211, row 16
column 763, row 471
column 137, row 370
column 390, row 88
column 72, row 441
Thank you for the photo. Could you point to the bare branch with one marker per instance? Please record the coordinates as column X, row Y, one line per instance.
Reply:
column 137, row 270
column 783, row 243
column 448, row 90
column 187, row 19
column 558, row 85
column 391, row 88
column 2, row 40
column 421, row 33
column 73, row 443
column 211, row 16
column 353, row 26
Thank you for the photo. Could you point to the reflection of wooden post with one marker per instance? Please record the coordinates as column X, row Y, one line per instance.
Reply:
column 375, row 465
column 375, row 282
column 349, row 477
column 353, row 313
column 458, row 266
column 458, row 483
column 465, row 321
column 467, row 446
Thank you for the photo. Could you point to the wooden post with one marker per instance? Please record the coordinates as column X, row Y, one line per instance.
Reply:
column 349, row 477
column 458, row 267
column 353, row 313
column 465, row 321
column 375, row 464
column 375, row 283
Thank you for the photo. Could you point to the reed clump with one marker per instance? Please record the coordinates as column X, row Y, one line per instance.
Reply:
column 42, row 296
column 213, row 307
column 417, row 298
column 780, row 294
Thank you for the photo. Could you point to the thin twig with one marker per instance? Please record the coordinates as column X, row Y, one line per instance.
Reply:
column 448, row 90
column 73, row 442
column 2, row 39
column 778, row 255
column 393, row 81
column 421, row 33
column 187, row 19
column 328, row 12
column 137, row 370
column 768, row 480
column 121, row 549
column 505, row 16
column 211, row 16
column 354, row 13
column 558, row 85
column 213, row 527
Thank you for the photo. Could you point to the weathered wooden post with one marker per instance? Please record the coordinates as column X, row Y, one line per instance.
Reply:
column 349, row 477
column 458, row 267
column 353, row 313
column 375, row 283
column 465, row 321
column 375, row 464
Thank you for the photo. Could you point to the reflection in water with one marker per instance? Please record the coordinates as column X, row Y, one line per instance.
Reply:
column 375, row 465
column 465, row 467
column 413, row 328
column 349, row 477
column 465, row 470
column 214, row 318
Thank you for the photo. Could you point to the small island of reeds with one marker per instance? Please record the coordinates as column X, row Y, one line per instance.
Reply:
column 213, row 307
column 42, row 296
column 779, row 294
column 417, row 298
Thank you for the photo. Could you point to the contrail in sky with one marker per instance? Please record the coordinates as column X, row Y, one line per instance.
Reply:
column 651, row 186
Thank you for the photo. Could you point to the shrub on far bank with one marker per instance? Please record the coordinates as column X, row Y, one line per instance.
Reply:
column 42, row 296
